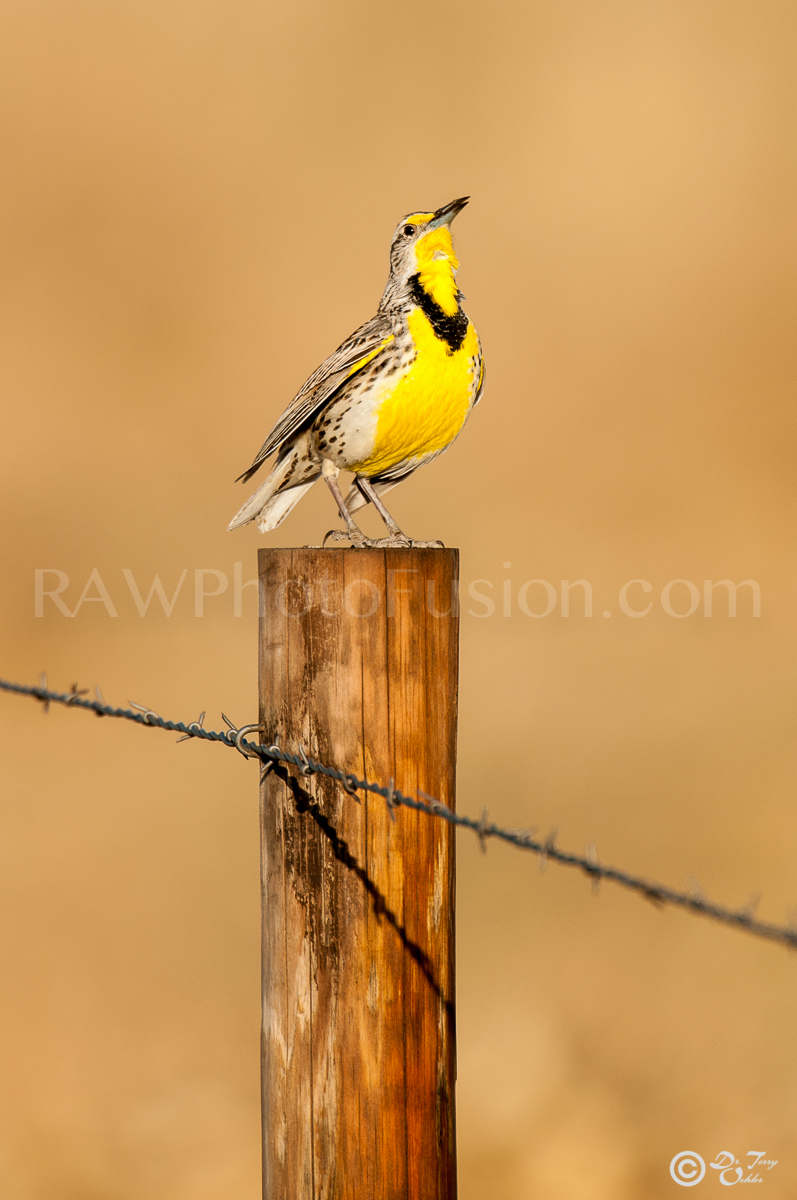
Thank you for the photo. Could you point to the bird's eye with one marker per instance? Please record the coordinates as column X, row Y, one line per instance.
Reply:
column 408, row 230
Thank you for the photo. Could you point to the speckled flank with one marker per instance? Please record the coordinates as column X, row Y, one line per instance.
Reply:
column 406, row 406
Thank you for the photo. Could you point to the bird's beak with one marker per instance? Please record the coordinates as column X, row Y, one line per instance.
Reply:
column 446, row 214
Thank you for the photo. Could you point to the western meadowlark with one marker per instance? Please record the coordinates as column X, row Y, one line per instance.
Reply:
column 392, row 397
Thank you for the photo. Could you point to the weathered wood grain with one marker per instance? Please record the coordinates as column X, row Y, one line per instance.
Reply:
column 358, row 663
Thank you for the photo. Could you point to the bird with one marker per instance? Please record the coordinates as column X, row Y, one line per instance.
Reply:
column 392, row 397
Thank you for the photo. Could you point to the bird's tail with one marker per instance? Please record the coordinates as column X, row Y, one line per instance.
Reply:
column 278, row 494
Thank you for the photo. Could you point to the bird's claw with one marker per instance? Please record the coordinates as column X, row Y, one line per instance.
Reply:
column 400, row 541
column 395, row 541
column 345, row 537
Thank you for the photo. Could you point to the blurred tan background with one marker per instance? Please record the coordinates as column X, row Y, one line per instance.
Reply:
column 196, row 205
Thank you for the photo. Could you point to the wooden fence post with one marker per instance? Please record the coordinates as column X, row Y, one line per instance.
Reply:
column 358, row 665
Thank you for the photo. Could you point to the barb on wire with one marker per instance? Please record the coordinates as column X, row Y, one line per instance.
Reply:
column 752, row 904
column 274, row 755
column 348, row 783
column 480, row 832
column 548, row 849
column 591, row 854
column 149, row 714
column 197, row 724
column 391, row 799
column 305, row 768
column 691, row 900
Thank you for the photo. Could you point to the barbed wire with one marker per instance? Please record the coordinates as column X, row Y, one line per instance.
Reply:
column 545, row 848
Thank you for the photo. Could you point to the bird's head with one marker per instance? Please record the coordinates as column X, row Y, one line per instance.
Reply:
column 422, row 246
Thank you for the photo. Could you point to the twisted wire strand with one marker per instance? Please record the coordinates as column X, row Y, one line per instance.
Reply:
column 545, row 848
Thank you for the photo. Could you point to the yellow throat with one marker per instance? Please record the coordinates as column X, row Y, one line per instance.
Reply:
column 437, row 268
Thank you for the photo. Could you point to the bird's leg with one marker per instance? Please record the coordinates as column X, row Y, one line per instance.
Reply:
column 370, row 493
column 353, row 532
column 397, row 536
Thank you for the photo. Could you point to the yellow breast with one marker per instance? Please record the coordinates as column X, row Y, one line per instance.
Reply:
column 424, row 410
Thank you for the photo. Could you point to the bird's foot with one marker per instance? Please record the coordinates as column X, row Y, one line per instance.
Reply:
column 394, row 541
column 347, row 537
column 400, row 541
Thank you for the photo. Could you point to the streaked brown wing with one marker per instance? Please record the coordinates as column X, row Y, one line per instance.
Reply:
column 360, row 347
